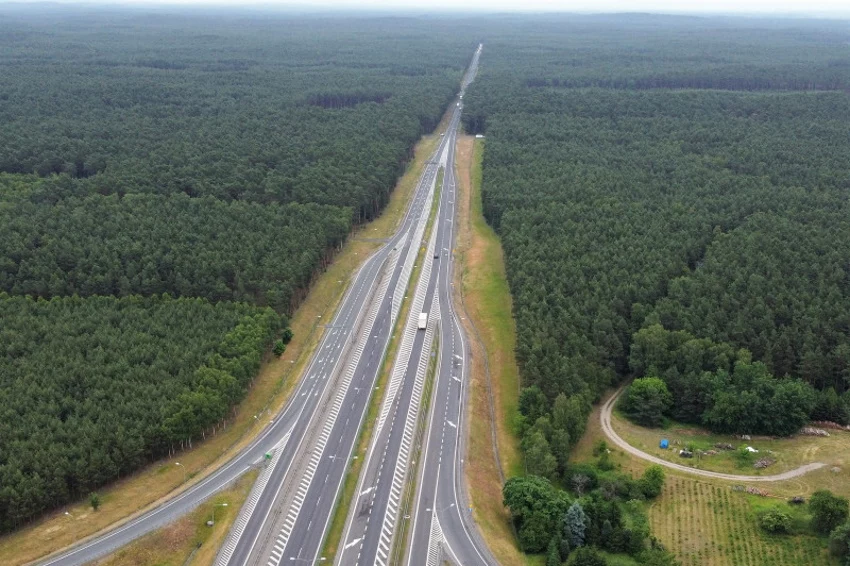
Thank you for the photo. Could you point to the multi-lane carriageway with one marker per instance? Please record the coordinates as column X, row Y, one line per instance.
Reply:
column 376, row 516
column 311, row 443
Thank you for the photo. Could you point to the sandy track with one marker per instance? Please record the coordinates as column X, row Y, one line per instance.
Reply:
column 605, row 418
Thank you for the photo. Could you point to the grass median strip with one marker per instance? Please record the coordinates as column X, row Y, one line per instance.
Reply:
column 341, row 509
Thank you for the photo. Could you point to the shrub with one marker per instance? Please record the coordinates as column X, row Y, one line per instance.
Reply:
column 828, row 511
column 775, row 522
column 839, row 540
column 586, row 556
column 652, row 481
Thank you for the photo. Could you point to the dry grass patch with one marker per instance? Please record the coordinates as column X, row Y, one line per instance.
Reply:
column 269, row 392
column 789, row 453
column 487, row 302
column 188, row 540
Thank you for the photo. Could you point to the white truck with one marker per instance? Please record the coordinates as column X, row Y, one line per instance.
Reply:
column 423, row 320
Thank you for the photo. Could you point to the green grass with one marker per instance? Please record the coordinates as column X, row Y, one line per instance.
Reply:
column 789, row 453
column 482, row 282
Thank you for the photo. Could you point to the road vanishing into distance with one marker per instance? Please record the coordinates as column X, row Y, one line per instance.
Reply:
column 376, row 531
column 441, row 524
column 605, row 419
column 306, row 450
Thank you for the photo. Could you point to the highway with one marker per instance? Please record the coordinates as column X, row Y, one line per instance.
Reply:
column 290, row 519
column 337, row 383
column 373, row 533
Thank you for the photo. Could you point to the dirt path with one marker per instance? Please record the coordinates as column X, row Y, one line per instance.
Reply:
column 605, row 418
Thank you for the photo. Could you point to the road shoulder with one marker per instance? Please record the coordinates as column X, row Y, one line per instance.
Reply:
column 486, row 312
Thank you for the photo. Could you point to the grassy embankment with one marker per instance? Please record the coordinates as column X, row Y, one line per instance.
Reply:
column 706, row 523
column 270, row 391
column 188, row 540
column 341, row 508
column 486, row 298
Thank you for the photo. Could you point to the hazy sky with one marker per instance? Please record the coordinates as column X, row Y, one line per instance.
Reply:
column 804, row 7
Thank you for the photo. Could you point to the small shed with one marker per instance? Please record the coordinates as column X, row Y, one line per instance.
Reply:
column 664, row 444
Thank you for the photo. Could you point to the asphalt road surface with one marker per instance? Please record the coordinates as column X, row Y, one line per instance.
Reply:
column 292, row 517
column 442, row 527
column 605, row 418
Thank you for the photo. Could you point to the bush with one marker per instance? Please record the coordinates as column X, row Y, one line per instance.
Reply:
column 279, row 348
column 839, row 540
column 652, row 481
column 94, row 501
column 828, row 511
column 586, row 556
column 775, row 522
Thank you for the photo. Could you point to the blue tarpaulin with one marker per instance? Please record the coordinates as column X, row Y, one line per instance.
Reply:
column 664, row 443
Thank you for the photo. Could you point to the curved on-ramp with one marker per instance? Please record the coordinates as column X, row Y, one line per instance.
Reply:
column 605, row 419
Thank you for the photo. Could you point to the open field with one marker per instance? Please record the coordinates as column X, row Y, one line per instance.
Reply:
column 269, row 392
column 789, row 453
column 188, row 540
column 706, row 522
column 487, row 302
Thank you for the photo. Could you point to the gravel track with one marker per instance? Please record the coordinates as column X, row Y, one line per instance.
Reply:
column 605, row 419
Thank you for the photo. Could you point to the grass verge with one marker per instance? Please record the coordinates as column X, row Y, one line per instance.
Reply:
column 270, row 390
column 189, row 540
column 341, row 508
column 487, row 302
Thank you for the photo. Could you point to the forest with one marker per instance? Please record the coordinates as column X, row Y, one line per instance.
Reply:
column 170, row 185
column 91, row 388
column 668, row 213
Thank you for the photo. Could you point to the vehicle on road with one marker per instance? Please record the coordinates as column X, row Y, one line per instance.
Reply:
column 423, row 320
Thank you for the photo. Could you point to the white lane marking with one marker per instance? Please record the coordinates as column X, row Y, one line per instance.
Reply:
column 352, row 543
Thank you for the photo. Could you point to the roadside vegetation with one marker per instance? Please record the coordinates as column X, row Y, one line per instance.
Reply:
column 190, row 539
column 669, row 215
column 484, row 295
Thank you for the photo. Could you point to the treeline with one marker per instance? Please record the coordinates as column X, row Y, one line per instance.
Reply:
column 280, row 110
column 717, row 385
column 152, row 244
column 714, row 217
column 92, row 388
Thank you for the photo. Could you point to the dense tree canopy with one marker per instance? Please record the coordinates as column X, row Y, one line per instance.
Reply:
column 151, row 244
column 92, row 388
column 271, row 109
column 671, row 195
column 715, row 212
